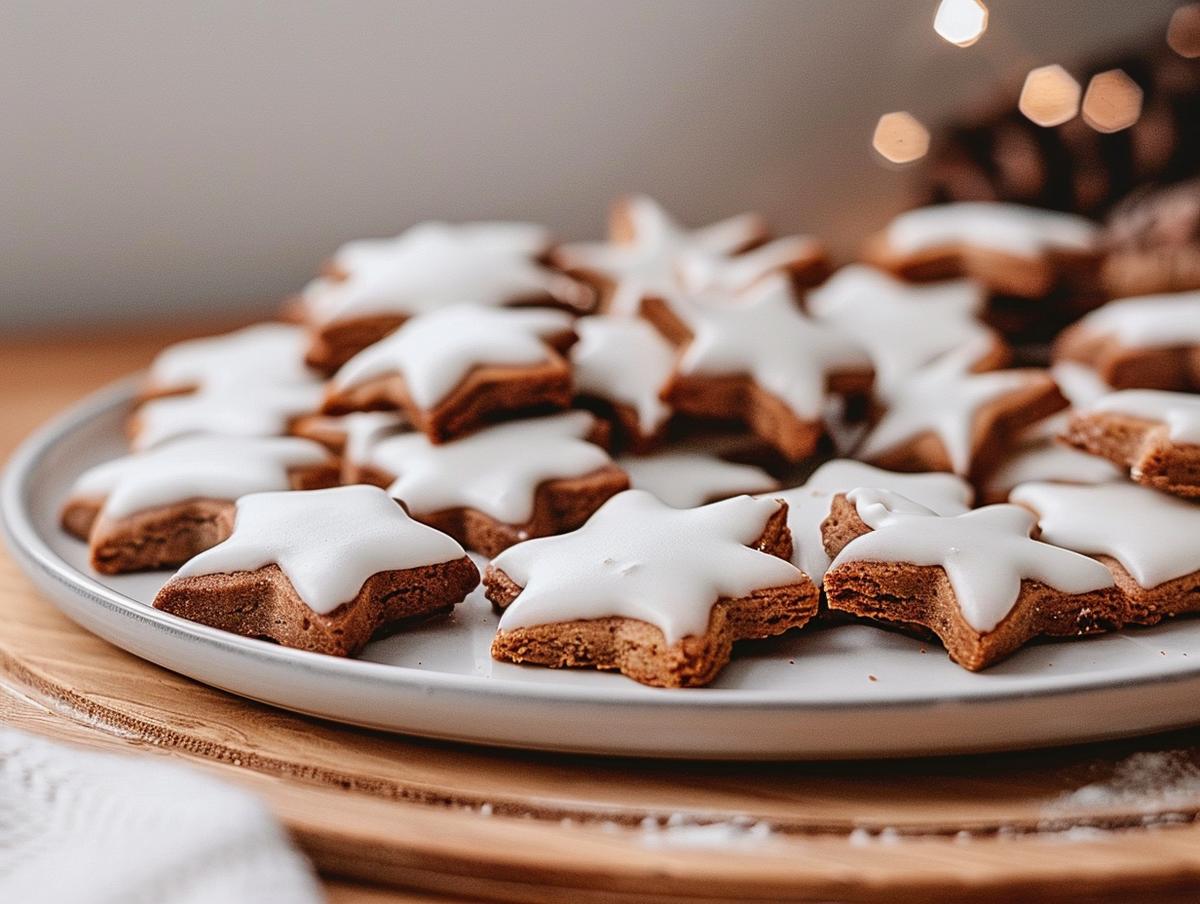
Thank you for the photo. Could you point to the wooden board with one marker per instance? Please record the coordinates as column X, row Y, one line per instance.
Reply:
column 444, row 820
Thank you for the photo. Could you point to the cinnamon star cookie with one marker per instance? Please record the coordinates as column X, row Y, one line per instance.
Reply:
column 656, row 592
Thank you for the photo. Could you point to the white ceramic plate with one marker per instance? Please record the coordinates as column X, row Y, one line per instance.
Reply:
column 851, row 691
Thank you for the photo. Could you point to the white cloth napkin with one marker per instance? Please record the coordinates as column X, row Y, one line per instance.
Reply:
column 83, row 827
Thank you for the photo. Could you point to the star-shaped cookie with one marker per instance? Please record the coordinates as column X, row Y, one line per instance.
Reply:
column 456, row 368
column 647, row 248
column 381, row 283
column 235, row 409
column 978, row 580
column 1153, row 433
column 1146, row 538
column 656, row 592
column 263, row 353
column 499, row 485
column 1152, row 342
column 905, row 326
column 321, row 570
column 162, row 506
column 945, row 417
column 761, row 360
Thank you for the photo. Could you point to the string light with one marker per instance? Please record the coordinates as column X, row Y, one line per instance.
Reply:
column 900, row 138
column 961, row 22
column 1183, row 34
column 1112, row 102
column 1050, row 96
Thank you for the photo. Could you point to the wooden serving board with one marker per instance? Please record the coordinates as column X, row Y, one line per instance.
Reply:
column 1112, row 822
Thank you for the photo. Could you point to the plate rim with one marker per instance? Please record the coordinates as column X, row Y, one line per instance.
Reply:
column 31, row 550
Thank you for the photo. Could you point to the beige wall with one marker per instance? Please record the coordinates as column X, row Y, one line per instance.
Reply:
column 165, row 156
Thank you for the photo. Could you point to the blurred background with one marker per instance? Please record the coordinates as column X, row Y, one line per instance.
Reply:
column 179, row 160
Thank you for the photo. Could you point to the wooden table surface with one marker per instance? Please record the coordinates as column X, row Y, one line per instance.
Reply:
column 387, row 819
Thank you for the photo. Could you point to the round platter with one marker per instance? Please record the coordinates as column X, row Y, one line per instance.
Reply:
column 848, row 691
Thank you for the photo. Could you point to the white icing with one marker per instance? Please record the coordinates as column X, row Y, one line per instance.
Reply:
column 701, row 271
column 327, row 542
column 525, row 239
column 496, row 470
column 1153, row 535
column 197, row 467
column 1149, row 321
column 646, row 263
column 639, row 558
column 435, row 352
column 1079, row 383
column 253, row 409
column 764, row 335
column 265, row 353
column 1044, row 458
column 433, row 265
column 902, row 325
column 1180, row 411
column 986, row 553
column 943, row 398
column 625, row 360
column 688, row 479
column 362, row 429
column 808, row 505
column 1009, row 228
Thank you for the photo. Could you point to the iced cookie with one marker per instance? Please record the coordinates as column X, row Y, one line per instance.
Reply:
column 499, row 485
column 905, row 326
column 945, row 417
column 1152, row 342
column 809, row 505
column 656, row 592
column 1145, row 538
column 1037, row 454
column 761, row 361
column 1011, row 249
column 322, row 570
column 620, row 366
column 1155, row 434
column 247, row 409
column 376, row 285
column 649, row 255
column 689, row 479
column 979, row 580
column 1152, row 240
column 267, row 353
column 163, row 506
column 456, row 369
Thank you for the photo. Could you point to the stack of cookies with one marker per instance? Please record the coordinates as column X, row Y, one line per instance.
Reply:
column 661, row 443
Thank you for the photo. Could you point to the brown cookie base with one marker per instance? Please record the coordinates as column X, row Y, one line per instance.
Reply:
column 922, row 595
column 486, row 395
column 1150, row 605
column 640, row 651
column 1129, row 367
column 1004, row 274
column 168, row 535
column 1143, row 446
column 264, row 604
column 559, row 506
column 996, row 426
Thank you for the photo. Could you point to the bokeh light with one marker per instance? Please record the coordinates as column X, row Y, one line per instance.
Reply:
column 961, row 22
column 1183, row 34
column 1112, row 102
column 1050, row 96
column 900, row 138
